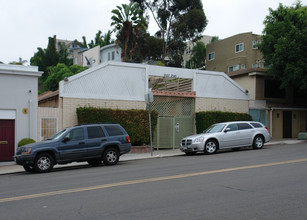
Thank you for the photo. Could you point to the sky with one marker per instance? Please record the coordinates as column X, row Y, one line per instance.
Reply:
column 26, row 25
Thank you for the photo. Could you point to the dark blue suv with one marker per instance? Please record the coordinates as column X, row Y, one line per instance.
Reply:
column 92, row 143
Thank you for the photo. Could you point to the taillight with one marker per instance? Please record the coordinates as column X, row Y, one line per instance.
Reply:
column 267, row 129
column 128, row 139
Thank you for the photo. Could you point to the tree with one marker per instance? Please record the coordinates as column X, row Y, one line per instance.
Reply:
column 51, row 55
column 128, row 22
column 19, row 62
column 198, row 56
column 284, row 45
column 58, row 73
column 150, row 47
column 99, row 40
column 214, row 39
column 45, row 58
column 63, row 54
column 178, row 20
column 83, row 44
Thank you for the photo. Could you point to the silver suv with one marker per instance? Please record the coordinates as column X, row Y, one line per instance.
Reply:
column 92, row 143
column 225, row 135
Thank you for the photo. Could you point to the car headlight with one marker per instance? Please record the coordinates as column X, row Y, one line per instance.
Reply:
column 199, row 140
column 26, row 150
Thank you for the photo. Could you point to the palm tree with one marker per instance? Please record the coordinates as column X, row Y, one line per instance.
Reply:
column 127, row 21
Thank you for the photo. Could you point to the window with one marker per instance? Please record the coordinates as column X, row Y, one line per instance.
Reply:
column 76, row 134
column 256, row 65
column 243, row 126
column 232, row 127
column 113, row 130
column 272, row 89
column 256, row 125
column 256, row 43
column 113, row 55
column 48, row 127
column 95, row 132
column 239, row 47
column 233, row 68
column 242, row 66
column 264, row 65
column 211, row 56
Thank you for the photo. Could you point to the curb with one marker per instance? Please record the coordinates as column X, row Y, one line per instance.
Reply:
column 12, row 167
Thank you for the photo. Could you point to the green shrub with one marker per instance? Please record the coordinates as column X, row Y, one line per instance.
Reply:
column 25, row 141
column 205, row 119
column 135, row 122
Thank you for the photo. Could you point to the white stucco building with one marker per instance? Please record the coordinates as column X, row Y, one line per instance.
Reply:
column 178, row 94
column 18, row 106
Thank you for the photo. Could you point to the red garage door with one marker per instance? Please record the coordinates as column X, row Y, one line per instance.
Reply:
column 7, row 140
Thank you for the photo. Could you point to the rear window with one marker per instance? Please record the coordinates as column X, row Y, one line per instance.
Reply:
column 95, row 132
column 243, row 126
column 256, row 125
column 113, row 130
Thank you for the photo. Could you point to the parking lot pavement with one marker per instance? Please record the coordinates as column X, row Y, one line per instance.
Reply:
column 12, row 167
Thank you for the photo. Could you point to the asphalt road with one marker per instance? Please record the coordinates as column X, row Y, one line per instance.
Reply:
column 249, row 184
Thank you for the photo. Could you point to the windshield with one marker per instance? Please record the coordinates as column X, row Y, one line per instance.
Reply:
column 215, row 128
column 57, row 135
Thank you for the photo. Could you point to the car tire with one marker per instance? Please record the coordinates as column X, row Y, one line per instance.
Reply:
column 29, row 169
column 43, row 163
column 110, row 156
column 211, row 147
column 94, row 163
column 190, row 153
column 258, row 142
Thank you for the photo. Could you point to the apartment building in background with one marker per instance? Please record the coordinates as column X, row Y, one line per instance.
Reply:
column 235, row 53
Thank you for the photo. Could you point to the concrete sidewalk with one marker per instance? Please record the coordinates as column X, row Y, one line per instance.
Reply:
column 12, row 167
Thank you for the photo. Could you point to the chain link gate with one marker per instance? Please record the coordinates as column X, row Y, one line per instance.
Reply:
column 175, row 121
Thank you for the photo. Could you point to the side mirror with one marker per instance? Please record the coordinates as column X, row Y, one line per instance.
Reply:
column 65, row 139
column 226, row 130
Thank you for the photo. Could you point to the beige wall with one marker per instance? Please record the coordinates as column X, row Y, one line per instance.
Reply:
column 249, row 83
column 298, row 123
column 92, row 53
column 71, row 104
column 229, row 105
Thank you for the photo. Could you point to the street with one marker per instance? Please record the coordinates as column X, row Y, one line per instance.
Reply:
column 248, row 184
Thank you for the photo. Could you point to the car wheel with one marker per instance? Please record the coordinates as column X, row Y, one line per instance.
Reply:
column 94, row 163
column 258, row 142
column 211, row 147
column 190, row 153
column 29, row 169
column 110, row 156
column 43, row 163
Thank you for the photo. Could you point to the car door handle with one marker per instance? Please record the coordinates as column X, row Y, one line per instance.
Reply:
column 104, row 139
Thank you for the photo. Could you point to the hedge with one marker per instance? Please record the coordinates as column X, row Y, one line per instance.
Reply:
column 135, row 122
column 205, row 119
